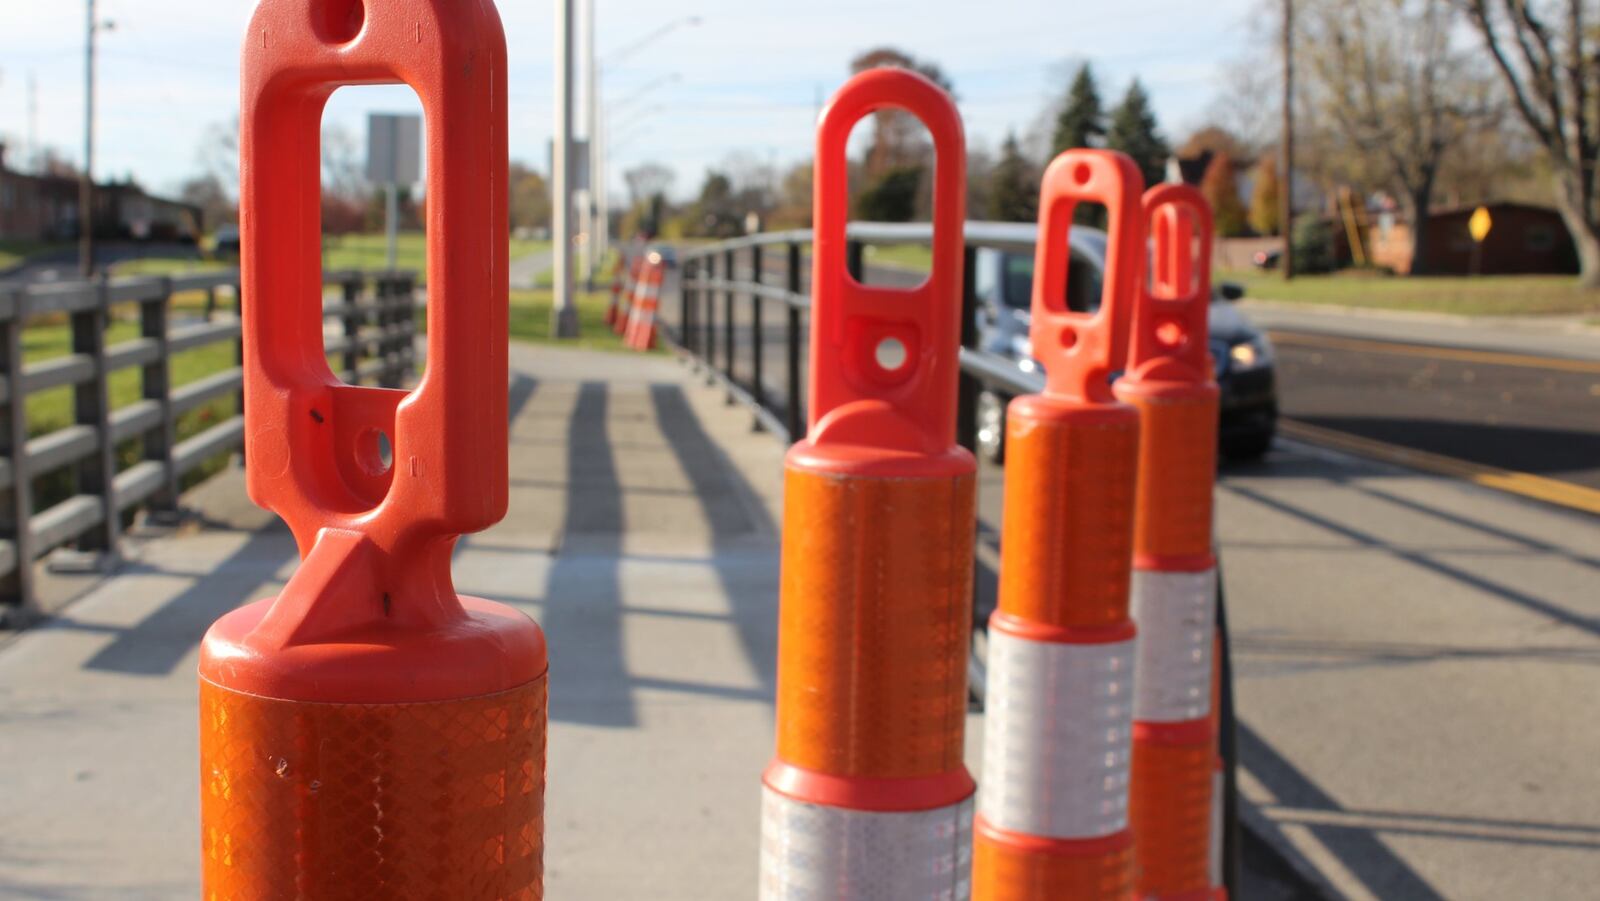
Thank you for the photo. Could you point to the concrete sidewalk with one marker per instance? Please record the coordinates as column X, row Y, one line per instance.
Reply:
column 642, row 538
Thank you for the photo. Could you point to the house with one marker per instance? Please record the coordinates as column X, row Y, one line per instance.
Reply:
column 1523, row 240
column 44, row 207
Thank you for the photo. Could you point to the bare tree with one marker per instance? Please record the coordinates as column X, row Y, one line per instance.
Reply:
column 1549, row 60
column 899, row 139
column 1391, row 87
column 646, row 180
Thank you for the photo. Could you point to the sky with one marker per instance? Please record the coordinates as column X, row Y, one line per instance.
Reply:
column 746, row 79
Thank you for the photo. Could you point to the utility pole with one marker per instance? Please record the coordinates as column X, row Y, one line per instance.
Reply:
column 563, row 316
column 33, row 123
column 86, row 178
column 1286, row 145
column 585, row 196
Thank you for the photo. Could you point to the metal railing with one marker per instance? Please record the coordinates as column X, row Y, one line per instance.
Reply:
column 75, row 485
column 740, row 273
column 719, row 324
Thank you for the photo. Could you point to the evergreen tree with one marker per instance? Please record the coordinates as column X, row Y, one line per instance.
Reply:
column 1013, row 187
column 1133, row 131
column 1081, row 119
column 1264, row 198
column 1220, row 188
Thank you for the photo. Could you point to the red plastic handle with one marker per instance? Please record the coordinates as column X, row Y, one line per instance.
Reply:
column 1080, row 351
column 1170, row 329
column 884, row 360
column 312, row 441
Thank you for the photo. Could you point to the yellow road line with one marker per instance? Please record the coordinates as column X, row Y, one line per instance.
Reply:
column 1488, row 357
column 1552, row 491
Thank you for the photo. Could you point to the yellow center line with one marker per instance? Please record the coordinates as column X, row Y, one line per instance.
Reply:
column 1552, row 491
column 1488, row 357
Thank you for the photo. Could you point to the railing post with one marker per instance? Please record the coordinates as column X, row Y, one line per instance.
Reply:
column 351, row 317
column 794, row 420
column 91, row 406
column 854, row 254
column 728, row 261
column 156, row 385
column 967, row 386
column 710, row 332
column 16, row 498
column 757, row 390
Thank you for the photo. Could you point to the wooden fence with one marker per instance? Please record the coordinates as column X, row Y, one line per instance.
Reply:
column 76, row 484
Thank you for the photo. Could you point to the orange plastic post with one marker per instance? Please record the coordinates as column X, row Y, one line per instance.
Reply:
column 368, row 732
column 613, row 308
column 1052, row 817
column 1170, row 380
column 619, row 323
column 867, row 796
column 640, row 333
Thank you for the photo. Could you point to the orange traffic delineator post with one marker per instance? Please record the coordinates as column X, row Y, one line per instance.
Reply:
column 867, row 796
column 640, row 333
column 622, row 297
column 1170, row 380
column 613, row 311
column 368, row 732
column 1052, row 818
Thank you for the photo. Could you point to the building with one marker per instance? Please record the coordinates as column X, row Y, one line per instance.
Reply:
column 44, row 207
column 1523, row 240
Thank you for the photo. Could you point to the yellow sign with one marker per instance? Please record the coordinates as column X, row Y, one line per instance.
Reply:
column 1478, row 226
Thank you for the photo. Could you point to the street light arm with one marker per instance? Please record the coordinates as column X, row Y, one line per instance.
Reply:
column 628, row 50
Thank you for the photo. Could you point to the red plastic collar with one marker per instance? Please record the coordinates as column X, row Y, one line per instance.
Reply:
column 1079, row 351
column 854, row 400
column 312, row 441
column 1170, row 332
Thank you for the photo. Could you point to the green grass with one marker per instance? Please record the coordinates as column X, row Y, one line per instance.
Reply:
column 530, row 320
column 916, row 257
column 167, row 266
column 14, row 252
column 371, row 251
column 1491, row 295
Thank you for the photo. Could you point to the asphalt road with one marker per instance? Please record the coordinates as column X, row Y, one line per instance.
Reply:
column 1515, row 412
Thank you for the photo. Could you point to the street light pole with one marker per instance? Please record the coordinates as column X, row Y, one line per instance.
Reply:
column 86, row 177
column 563, row 316
column 586, row 243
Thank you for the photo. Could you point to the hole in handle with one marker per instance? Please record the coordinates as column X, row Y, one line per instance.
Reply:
column 338, row 21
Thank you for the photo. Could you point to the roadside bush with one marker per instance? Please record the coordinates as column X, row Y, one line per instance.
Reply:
column 1313, row 245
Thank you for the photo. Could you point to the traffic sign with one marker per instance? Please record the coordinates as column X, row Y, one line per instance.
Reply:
column 1480, row 223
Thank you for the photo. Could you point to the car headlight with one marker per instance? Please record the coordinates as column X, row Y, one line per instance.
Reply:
column 1249, row 355
column 1022, row 347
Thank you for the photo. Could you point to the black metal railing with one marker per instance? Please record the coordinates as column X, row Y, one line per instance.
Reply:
column 74, row 484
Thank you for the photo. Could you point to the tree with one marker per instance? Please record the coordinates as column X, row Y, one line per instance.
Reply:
column 1390, row 85
column 891, row 197
column 1550, row 72
column 1081, row 119
column 1220, row 188
column 1133, row 131
column 530, row 198
column 1013, row 186
column 1264, row 197
column 897, row 139
column 1214, row 139
column 206, row 192
column 646, row 180
column 716, row 214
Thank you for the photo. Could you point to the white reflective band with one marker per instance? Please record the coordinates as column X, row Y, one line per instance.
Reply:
column 1216, row 827
column 814, row 853
column 1176, row 615
column 1056, row 737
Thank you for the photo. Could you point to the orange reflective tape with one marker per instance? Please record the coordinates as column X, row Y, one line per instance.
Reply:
column 874, row 623
column 1170, row 813
column 337, row 801
column 1008, row 866
column 1068, row 513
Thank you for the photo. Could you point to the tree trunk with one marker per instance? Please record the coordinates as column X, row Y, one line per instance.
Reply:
column 1419, row 203
column 1585, row 236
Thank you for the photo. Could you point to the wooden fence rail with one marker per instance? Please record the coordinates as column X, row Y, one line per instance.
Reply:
column 109, row 461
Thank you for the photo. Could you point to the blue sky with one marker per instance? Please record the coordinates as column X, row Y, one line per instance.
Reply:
column 750, row 72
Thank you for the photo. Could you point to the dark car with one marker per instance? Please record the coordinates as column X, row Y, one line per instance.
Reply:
column 1003, row 279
